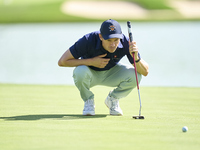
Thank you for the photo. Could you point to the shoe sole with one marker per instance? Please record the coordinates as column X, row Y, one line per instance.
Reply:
column 88, row 114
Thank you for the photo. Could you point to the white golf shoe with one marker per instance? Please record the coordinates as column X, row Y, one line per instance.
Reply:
column 113, row 105
column 89, row 108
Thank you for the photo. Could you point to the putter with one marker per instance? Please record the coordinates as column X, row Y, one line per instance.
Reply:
column 131, row 39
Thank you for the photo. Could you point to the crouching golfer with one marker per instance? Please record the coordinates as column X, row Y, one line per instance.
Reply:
column 100, row 53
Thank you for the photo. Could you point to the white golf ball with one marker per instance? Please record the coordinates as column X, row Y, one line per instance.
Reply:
column 185, row 129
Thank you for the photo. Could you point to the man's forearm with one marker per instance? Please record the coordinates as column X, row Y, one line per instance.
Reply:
column 142, row 67
column 74, row 62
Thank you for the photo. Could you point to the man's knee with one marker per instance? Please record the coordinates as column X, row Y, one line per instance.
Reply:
column 81, row 73
column 139, row 77
column 132, row 77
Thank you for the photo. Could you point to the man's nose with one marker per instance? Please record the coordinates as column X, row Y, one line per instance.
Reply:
column 112, row 44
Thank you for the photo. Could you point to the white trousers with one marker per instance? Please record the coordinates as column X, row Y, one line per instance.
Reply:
column 121, row 76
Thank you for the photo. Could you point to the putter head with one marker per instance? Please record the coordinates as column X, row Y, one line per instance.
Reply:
column 138, row 117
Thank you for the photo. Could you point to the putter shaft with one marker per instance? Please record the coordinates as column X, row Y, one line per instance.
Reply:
column 131, row 39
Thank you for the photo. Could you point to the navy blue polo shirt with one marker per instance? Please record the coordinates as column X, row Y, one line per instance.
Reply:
column 90, row 46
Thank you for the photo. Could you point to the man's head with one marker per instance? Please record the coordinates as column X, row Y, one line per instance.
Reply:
column 110, row 29
column 110, row 35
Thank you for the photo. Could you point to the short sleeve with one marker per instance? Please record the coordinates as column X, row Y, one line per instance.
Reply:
column 79, row 48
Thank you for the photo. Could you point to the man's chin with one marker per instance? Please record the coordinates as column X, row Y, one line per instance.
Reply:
column 112, row 50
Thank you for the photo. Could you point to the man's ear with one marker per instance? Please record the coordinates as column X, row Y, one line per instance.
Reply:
column 100, row 36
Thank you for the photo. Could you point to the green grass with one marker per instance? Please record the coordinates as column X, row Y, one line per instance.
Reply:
column 34, row 11
column 49, row 117
column 49, row 11
column 152, row 4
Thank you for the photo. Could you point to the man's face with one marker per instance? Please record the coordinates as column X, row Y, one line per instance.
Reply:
column 110, row 44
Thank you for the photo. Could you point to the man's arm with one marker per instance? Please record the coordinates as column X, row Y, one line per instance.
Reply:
column 142, row 66
column 67, row 60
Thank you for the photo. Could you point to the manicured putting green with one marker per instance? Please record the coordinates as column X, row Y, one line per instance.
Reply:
column 49, row 117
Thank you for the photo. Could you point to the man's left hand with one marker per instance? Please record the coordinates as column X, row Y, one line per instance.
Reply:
column 133, row 49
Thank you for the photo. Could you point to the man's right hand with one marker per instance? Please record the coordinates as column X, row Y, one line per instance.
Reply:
column 99, row 61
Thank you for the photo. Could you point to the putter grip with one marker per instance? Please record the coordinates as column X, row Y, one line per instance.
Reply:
column 129, row 31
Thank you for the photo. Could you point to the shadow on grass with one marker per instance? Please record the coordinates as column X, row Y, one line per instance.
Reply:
column 51, row 116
